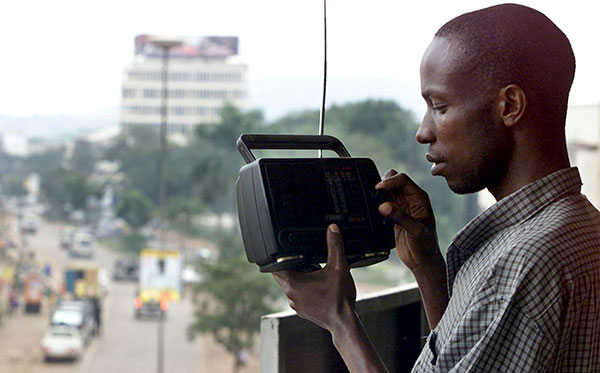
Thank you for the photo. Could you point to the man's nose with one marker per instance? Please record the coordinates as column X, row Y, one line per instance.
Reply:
column 425, row 133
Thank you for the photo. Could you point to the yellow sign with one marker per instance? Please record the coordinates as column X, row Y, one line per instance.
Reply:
column 158, row 253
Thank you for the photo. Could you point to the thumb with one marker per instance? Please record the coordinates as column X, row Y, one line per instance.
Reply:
column 335, row 247
column 413, row 227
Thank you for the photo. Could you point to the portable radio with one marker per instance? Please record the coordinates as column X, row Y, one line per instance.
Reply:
column 286, row 204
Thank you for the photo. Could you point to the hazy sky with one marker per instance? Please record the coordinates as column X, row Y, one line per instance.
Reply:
column 67, row 56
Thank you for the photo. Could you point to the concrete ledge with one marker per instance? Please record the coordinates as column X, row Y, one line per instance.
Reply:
column 393, row 318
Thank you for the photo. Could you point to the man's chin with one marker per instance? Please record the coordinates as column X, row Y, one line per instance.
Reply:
column 464, row 187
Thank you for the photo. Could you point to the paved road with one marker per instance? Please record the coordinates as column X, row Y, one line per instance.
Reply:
column 126, row 344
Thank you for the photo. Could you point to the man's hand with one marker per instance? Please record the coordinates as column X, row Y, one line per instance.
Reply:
column 416, row 240
column 326, row 296
column 410, row 209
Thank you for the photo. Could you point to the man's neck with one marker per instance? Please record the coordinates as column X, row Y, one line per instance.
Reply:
column 530, row 163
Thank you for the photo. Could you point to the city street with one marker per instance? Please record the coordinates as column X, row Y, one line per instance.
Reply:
column 125, row 344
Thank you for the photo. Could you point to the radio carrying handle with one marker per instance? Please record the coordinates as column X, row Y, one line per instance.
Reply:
column 296, row 142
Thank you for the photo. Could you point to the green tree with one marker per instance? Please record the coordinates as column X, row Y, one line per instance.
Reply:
column 233, row 123
column 230, row 301
column 83, row 159
column 6, row 160
column 44, row 163
column 65, row 189
column 138, row 153
column 13, row 185
column 135, row 208
column 218, row 165
column 132, row 243
column 181, row 210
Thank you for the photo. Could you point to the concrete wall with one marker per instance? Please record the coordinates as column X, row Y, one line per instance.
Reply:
column 394, row 320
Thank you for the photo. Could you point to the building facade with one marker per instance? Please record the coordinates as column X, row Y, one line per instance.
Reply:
column 583, row 139
column 203, row 75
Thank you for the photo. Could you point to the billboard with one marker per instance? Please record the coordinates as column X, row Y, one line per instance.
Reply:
column 192, row 46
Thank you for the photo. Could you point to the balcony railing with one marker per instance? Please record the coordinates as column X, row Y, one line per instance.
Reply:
column 394, row 320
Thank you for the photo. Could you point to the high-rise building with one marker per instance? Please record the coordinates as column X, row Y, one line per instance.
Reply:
column 203, row 75
column 583, row 143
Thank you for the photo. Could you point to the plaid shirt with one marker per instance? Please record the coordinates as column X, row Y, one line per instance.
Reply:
column 524, row 283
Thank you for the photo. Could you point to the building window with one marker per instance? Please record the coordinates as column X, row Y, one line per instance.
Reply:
column 150, row 93
column 128, row 92
column 177, row 110
column 177, row 93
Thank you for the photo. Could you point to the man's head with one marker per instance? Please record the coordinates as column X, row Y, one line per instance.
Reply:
column 484, row 75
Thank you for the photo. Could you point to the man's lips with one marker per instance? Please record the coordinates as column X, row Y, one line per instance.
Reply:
column 437, row 164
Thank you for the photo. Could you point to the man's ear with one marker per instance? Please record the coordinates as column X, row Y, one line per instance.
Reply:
column 512, row 104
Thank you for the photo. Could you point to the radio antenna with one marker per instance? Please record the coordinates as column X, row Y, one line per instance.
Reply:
column 322, row 116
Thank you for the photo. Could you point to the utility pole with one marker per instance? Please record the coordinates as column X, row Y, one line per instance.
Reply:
column 165, row 44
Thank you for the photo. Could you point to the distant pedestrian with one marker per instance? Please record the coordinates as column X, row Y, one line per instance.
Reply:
column 14, row 300
column 48, row 269
column 97, row 314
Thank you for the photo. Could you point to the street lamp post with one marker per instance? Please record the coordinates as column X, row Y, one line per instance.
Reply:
column 165, row 44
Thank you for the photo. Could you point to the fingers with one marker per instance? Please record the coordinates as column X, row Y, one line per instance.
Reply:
column 389, row 173
column 394, row 181
column 335, row 247
column 407, row 194
column 413, row 227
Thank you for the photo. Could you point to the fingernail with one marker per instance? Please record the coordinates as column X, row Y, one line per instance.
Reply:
column 388, row 174
column 385, row 209
column 334, row 228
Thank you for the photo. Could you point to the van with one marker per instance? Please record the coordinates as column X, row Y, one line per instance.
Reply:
column 83, row 245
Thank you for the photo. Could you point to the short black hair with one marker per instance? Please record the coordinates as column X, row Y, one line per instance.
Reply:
column 515, row 44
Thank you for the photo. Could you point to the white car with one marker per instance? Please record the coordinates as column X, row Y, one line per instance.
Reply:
column 83, row 245
column 62, row 342
column 75, row 317
column 30, row 223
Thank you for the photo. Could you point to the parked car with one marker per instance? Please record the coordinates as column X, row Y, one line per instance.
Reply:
column 83, row 245
column 62, row 342
column 75, row 316
column 109, row 228
column 86, row 306
column 66, row 237
column 30, row 223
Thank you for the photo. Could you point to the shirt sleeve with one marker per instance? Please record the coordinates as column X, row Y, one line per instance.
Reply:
column 493, row 337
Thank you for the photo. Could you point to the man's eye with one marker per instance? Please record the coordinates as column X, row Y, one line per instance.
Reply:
column 439, row 108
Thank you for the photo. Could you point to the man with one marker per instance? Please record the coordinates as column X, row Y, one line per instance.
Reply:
column 520, row 288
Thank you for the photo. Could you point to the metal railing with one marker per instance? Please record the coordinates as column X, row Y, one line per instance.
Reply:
column 394, row 320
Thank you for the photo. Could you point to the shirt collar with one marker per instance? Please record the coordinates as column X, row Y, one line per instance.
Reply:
column 511, row 210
